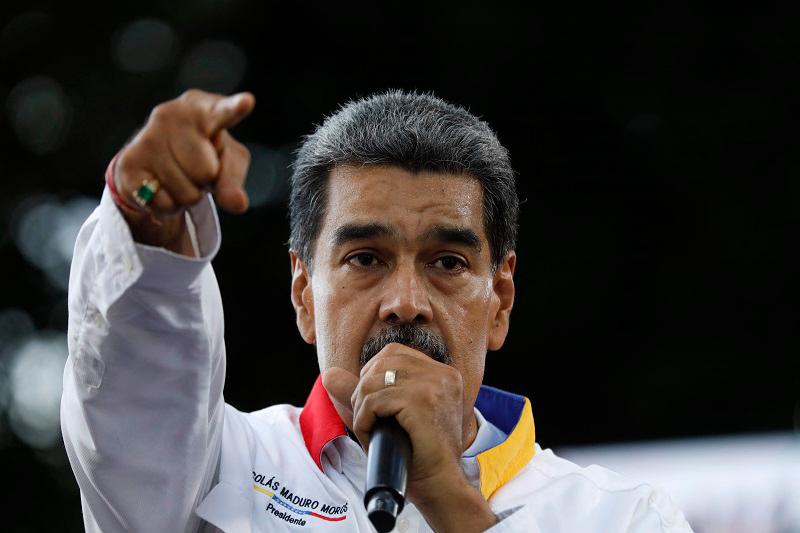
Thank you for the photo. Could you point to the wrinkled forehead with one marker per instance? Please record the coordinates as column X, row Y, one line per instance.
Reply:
column 408, row 203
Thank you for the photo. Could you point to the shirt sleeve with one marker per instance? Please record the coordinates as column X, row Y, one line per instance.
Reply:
column 142, row 407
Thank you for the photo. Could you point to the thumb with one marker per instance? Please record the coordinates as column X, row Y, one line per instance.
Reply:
column 340, row 385
column 229, row 111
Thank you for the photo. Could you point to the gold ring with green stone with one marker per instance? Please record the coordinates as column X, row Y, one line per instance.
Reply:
column 146, row 191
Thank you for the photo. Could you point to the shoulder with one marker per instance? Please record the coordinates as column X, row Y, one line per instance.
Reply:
column 547, row 467
column 265, row 428
column 567, row 496
column 281, row 416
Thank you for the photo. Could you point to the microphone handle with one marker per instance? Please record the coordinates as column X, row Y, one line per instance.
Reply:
column 387, row 473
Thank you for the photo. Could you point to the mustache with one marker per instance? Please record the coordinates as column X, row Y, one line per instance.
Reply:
column 411, row 335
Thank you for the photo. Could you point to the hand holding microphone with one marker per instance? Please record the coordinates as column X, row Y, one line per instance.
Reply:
column 402, row 391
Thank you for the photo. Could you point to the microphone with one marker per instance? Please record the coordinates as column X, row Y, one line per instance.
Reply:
column 387, row 473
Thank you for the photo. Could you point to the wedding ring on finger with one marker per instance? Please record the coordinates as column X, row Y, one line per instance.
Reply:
column 389, row 378
column 148, row 188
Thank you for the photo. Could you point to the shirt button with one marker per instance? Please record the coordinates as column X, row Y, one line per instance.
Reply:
column 402, row 525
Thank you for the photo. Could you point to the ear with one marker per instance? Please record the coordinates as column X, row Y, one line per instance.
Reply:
column 502, row 302
column 303, row 298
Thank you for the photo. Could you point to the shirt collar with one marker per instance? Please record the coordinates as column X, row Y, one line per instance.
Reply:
column 511, row 413
column 488, row 436
column 320, row 422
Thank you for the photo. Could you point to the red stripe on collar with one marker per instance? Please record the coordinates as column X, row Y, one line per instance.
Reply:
column 320, row 422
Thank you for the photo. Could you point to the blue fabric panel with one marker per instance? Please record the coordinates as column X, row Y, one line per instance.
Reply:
column 499, row 407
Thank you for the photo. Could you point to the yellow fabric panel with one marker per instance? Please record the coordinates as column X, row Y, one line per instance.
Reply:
column 501, row 463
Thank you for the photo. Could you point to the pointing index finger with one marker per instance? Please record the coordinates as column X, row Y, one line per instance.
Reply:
column 229, row 111
column 217, row 112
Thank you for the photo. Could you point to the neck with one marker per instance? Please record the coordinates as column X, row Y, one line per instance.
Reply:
column 470, row 429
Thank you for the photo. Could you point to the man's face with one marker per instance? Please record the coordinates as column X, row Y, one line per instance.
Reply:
column 400, row 251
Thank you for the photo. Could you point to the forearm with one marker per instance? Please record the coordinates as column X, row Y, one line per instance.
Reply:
column 142, row 403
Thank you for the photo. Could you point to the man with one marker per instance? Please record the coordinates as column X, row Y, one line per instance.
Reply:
column 403, row 228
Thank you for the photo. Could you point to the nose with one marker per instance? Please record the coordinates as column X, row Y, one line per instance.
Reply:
column 405, row 298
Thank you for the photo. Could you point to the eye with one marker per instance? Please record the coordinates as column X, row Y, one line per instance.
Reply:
column 363, row 259
column 450, row 263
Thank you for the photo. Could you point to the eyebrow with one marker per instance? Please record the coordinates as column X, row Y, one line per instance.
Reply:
column 455, row 235
column 355, row 232
column 441, row 233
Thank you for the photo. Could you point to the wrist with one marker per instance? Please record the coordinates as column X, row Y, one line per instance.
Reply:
column 169, row 233
column 452, row 504
column 126, row 207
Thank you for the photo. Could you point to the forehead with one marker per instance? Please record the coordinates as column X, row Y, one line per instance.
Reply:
column 410, row 202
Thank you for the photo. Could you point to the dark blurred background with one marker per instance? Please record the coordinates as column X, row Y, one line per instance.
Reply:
column 656, row 149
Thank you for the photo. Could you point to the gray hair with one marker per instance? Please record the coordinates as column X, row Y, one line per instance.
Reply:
column 413, row 131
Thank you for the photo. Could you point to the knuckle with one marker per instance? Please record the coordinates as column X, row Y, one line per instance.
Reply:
column 147, row 143
column 211, row 170
column 430, row 395
column 390, row 349
column 190, row 94
column 454, row 377
column 359, row 422
column 368, row 403
column 160, row 112
column 163, row 202
column 189, row 196
column 203, row 173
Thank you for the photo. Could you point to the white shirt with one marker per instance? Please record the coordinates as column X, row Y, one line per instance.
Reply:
column 155, row 448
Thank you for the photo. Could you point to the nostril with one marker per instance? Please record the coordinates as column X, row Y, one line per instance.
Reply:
column 395, row 320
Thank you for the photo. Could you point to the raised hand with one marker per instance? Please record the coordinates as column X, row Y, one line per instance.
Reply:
column 186, row 147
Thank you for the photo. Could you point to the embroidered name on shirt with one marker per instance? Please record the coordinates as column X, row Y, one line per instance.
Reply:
column 282, row 496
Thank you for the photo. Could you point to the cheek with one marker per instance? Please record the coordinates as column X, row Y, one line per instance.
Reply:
column 477, row 302
column 468, row 322
column 342, row 323
column 466, row 315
